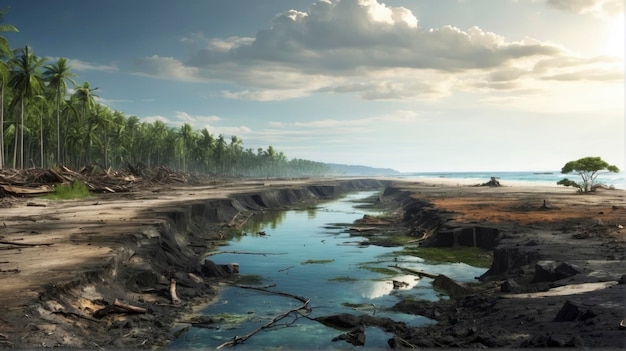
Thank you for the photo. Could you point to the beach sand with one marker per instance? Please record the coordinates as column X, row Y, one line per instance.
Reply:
column 60, row 261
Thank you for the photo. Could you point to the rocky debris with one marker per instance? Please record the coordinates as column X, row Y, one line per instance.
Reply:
column 550, row 271
column 510, row 286
column 355, row 337
column 453, row 288
column 492, row 182
column 571, row 312
column 210, row 269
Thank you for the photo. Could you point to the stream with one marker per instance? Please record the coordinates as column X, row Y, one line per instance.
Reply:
column 311, row 253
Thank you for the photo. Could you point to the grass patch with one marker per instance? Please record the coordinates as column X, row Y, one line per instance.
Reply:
column 390, row 240
column 358, row 305
column 343, row 278
column 231, row 320
column 381, row 270
column 473, row 256
column 249, row 279
column 317, row 261
column 76, row 190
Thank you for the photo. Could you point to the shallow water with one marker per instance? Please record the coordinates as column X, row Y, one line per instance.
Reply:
column 309, row 253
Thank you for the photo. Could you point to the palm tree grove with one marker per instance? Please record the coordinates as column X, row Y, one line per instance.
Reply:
column 48, row 119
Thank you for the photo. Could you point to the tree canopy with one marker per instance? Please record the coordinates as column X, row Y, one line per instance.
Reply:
column 588, row 168
column 43, row 125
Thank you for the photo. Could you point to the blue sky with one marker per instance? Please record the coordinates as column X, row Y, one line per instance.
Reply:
column 414, row 85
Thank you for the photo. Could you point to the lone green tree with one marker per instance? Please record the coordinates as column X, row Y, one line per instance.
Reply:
column 588, row 168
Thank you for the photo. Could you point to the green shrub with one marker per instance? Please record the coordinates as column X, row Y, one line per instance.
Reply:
column 76, row 190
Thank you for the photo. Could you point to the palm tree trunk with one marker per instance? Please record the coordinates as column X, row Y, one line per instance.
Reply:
column 21, row 165
column 58, row 132
column 41, row 138
column 2, row 124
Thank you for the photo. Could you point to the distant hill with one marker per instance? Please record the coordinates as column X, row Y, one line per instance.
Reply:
column 355, row 170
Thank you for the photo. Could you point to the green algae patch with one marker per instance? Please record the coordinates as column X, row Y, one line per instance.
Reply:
column 231, row 320
column 381, row 270
column 390, row 240
column 249, row 279
column 473, row 256
column 343, row 278
column 317, row 261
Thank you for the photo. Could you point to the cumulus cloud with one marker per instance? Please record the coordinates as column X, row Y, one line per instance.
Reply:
column 167, row 68
column 364, row 47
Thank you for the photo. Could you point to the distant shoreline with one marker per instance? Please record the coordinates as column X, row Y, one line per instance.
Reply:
column 517, row 178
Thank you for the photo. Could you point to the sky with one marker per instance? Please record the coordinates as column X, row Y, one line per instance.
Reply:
column 412, row 85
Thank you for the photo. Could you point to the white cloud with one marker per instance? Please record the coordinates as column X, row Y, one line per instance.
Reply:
column 167, row 68
column 187, row 118
column 152, row 119
column 601, row 8
column 371, row 49
column 78, row 65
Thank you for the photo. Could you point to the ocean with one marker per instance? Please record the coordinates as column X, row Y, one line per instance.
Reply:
column 616, row 180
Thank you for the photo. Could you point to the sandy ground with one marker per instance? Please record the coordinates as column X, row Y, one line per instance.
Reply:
column 44, row 243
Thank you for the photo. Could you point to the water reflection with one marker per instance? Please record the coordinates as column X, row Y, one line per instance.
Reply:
column 271, row 219
column 340, row 276
column 381, row 288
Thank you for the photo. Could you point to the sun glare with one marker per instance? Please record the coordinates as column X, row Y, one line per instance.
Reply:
column 614, row 44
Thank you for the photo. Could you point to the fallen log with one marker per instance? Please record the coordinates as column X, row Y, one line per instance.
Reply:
column 21, row 190
column 118, row 307
column 260, row 288
column 23, row 244
column 241, row 339
column 244, row 253
column 174, row 297
column 418, row 273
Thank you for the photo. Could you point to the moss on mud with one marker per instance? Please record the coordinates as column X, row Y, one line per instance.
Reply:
column 473, row 256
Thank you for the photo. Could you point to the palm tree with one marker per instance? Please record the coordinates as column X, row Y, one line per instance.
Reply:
column 102, row 119
column 5, row 51
column 57, row 75
column 27, row 82
column 206, row 145
column 86, row 100
column 186, row 136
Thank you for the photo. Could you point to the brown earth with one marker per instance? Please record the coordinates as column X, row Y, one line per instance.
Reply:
column 61, row 261
column 558, row 276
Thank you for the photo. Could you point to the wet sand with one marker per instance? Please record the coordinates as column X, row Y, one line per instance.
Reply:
column 60, row 261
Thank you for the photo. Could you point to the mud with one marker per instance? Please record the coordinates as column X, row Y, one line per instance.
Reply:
column 62, row 262
column 558, row 274
column 557, row 278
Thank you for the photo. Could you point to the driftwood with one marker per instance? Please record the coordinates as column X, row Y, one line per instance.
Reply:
column 413, row 271
column 35, row 181
column 24, row 245
column 241, row 339
column 118, row 307
column 173, row 295
column 243, row 253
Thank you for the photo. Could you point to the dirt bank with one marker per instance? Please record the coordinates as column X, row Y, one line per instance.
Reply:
column 64, row 264
column 61, row 262
column 558, row 274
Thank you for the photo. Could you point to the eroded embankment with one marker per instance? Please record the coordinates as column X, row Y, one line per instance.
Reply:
column 438, row 227
column 127, row 302
column 559, row 282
